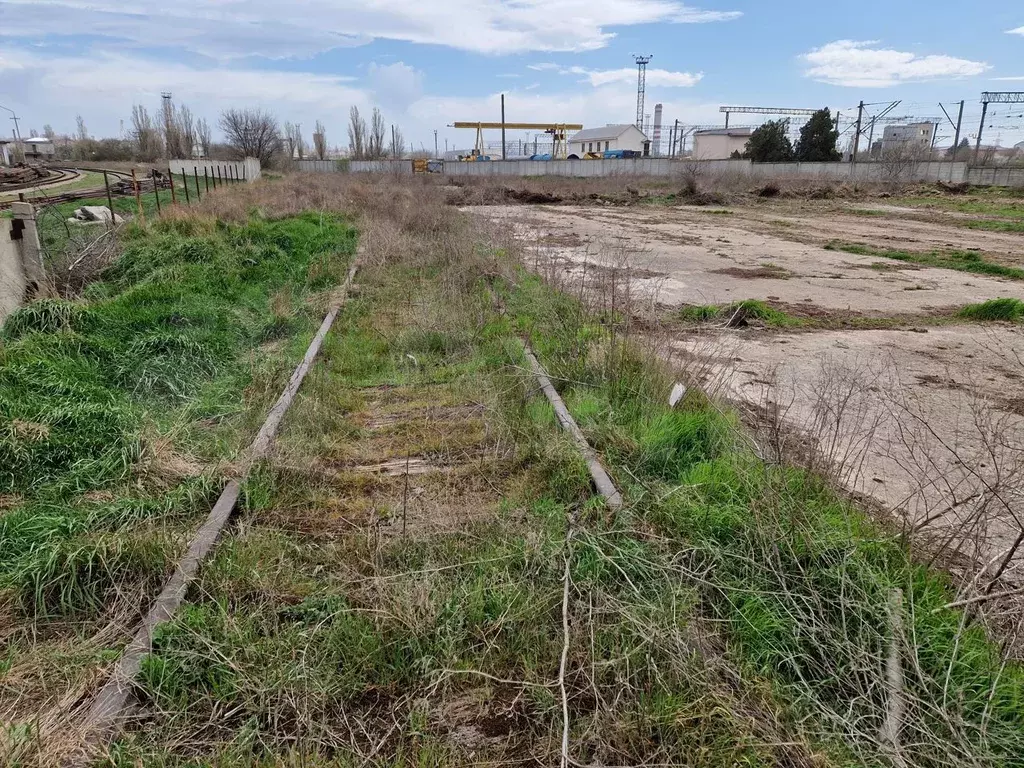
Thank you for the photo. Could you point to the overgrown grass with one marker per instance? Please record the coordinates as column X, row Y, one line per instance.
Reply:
column 961, row 261
column 749, row 309
column 1008, row 310
column 798, row 578
column 146, row 382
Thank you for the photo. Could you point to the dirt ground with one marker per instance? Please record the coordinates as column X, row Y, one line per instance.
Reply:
column 704, row 256
column 926, row 421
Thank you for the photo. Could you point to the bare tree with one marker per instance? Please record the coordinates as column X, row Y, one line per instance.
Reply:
column 900, row 159
column 33, row 133
column 49, row 133
column 204, row 136
column 185, row 123
column 397, row 148
column 145, row 134
column 288, row 139
column 320, row 141
column 81, row 131
column 356, row 134
column 294, row 144
column 375, row 147
column 251, row 133
column 172, row 137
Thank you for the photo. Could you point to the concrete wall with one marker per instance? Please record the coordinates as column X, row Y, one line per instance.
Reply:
column 999, row 177
column 21, row 265
column 248, row 169
column 660, row 166
column 320, row 166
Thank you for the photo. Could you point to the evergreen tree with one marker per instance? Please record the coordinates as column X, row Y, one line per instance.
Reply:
column 770, row 143
column 818, row 139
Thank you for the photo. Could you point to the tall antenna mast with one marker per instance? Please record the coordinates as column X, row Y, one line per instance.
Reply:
column 641, row 87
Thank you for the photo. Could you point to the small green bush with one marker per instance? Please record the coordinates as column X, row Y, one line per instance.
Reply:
column 1008, row 310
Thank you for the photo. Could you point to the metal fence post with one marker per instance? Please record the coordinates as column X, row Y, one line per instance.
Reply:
column 174, row 194
column 184, row 178
column 156, row 191
column 199, row 195
column 206, row 179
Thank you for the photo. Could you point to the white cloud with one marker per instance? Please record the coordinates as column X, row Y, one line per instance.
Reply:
column 599, row 77
column 240, row 28
column 1017, row 31
column 1014, row 78
column 102, row 88
column 852, row 63
column 657, row 77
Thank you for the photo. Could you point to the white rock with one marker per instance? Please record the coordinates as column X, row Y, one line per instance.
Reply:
column 96, row 213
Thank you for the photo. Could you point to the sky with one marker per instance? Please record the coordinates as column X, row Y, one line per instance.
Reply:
column 428, row 63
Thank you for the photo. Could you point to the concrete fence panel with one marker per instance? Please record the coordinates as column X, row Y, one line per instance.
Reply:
column 245, row 170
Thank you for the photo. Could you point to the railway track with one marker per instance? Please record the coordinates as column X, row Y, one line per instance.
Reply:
column 71, row 195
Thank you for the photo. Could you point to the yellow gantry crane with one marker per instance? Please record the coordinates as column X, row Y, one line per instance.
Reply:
column 558, row 132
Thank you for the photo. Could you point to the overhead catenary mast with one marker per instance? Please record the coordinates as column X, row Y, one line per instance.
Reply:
column 641, row 87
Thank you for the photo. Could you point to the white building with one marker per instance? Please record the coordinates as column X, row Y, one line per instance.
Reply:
column 38, row 148
column 915, row 135
column 720, row 143
column 611, row 137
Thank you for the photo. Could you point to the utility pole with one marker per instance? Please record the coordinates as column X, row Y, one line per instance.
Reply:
column 981, row 129
column 394, row 147
column 503, row 126
column 641, row 87
column 435, row 143
column 856, row 136
column 959, row 122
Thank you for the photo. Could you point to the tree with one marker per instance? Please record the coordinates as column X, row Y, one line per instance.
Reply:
column 397, row 148
column 81, row 131
column 293, row 143
column 251, row 133
column 185, row 123
column 204, row 136
column 356, row 134
column 320, row 141
column 770, row 143
column 375, row 147
column 145, row 134
column 818, row 138
column 961, row 150
column 49, row 133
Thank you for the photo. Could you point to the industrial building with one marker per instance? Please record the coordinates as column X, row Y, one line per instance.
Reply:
column 720, row 143
column 609, row 138
column 914, row 135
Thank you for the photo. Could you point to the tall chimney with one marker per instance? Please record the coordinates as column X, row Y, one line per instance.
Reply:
column 656, row 138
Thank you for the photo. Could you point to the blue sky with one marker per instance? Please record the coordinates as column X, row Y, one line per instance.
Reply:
column 427, row 63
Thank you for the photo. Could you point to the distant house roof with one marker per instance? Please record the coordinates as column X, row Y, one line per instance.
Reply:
column 38, row 140
column 741, row 132
column 602, row 134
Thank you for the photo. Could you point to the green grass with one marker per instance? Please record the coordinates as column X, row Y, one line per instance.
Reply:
column 961, row 261
column 750, row 308
column 1007, row 310
column 160, row 358
column 1000, row 207
column 795, row 576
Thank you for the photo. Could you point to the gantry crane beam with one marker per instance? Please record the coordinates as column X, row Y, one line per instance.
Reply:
column 558, row 132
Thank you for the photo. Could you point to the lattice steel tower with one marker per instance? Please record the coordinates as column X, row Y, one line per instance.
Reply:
column 641, row 87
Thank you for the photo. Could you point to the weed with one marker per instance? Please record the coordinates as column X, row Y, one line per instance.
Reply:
column 1007, row 310
column 961, row 261
column 739, row 313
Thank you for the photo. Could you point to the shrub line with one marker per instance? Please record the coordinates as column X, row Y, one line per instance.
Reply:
column 602, row 481
column 111, row 703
